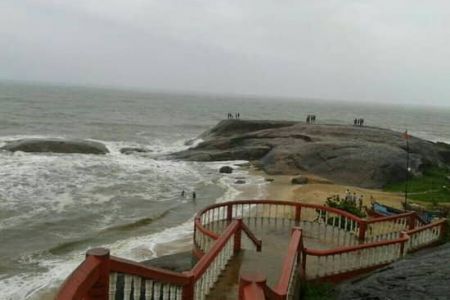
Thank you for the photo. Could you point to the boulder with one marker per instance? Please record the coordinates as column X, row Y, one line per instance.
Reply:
column 299, row 180
column 240, row 181
column 56, row 146
column 226, row 169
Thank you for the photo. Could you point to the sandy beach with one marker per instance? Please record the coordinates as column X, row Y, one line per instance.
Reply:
column 318, row 189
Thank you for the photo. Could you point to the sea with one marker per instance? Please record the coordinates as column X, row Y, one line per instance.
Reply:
column 54, row 207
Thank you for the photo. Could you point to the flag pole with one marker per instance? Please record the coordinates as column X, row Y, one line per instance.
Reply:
column 407, row 169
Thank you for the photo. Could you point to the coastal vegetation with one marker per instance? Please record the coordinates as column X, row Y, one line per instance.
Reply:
column 432, row 187
column 346, row 205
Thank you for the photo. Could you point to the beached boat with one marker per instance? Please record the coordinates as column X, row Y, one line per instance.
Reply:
column 426, row 216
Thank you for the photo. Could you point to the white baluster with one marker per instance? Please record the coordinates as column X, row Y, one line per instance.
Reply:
column 137, row 287
column 157, row 290
column 112, row 285
column 127, row 287
column 178, row 293
column 172, row 291
column 166, row 291
column 148, row 289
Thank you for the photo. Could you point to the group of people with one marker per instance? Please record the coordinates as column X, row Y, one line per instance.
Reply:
column 352, row 198
column 236, row 116
column 194, row 195
column 311, row 119
column 358, row 122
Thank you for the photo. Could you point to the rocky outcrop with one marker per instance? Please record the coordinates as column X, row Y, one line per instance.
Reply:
column 423, row 275
column 361, row 156
column 56, row 146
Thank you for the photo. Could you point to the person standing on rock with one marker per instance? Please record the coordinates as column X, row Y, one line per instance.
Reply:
column 348, row 195
column 360, row 202
column 182, row 193
column 194, row 195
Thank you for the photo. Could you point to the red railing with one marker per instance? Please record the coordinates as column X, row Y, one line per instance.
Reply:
column 328, row 263
column 97, row 276
column 217, row 237
column 290, row 265
column 88, row 280
column 426, row 235
column 210, row 221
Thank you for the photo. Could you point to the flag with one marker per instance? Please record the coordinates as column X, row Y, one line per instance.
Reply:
column 405, row 135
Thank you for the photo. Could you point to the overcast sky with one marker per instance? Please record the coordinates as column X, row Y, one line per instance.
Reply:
column 361, row 50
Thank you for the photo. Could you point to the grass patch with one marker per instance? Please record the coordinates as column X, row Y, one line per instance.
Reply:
column 318, row 291
column 433, row 186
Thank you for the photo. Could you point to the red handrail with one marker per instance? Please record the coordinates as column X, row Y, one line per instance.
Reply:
column 390, row 218
column 438, row 223
column 253, row 287
column 200, row 227
column 251, row 236
column 340, row 250
column 202, row 265
column 130, row 267
column 293, row 253
column 363, row 224
column 82, row 279
column 278, row 202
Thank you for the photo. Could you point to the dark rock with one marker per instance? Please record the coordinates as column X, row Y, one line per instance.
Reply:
column 422, row 275
column 131, row 150
column 361, row 156
column 269, row 179
column 239, row 181
column 178, row 262
column 299, row 180
column 226, row 169
column 56, row 146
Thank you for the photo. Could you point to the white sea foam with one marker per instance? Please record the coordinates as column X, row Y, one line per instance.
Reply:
column 60, row 182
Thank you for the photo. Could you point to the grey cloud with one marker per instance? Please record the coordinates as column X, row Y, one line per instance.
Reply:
column 356, row 50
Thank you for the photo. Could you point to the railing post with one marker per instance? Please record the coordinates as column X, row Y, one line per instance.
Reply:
column 303, row 266
column 444, row 227
column 402, row 245
column 257, row 279
column 411, row 221
column 362, row 231
column 188, row 290
column 237, row 237
column 100, row 289
column 229, row 213
column 298, row 212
